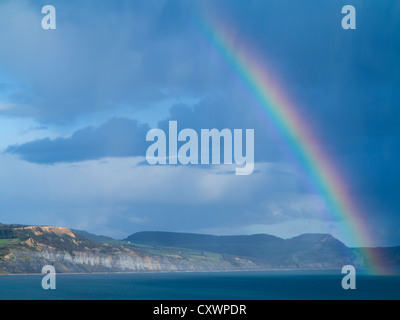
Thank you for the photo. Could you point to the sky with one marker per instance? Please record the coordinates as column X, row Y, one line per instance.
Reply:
column 77, row 102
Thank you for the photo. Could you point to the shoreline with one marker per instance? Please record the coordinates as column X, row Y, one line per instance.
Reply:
column 338, row 271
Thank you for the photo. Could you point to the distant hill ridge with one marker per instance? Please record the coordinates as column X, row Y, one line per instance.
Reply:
column 193, row 240
column 268, row 250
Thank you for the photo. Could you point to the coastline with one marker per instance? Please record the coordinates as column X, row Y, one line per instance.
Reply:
column 332, row 271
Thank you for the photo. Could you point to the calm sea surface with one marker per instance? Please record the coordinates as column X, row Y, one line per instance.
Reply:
column 201, row 286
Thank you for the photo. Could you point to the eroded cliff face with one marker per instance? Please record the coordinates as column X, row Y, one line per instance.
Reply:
column 26, row 249
column 34, row 247
column 33, row 261
column 128, row 261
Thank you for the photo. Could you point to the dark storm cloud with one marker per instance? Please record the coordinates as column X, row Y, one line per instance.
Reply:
column 116, row 138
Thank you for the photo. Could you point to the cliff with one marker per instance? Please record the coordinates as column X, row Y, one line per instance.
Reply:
column 308, row 251
column 26, row 249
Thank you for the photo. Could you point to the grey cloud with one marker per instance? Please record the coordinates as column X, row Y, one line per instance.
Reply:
column 116, row 138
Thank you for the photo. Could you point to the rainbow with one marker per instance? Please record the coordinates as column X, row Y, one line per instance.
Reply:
column 279, row 110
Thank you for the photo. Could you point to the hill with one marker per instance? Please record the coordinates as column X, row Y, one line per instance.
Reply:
column 93, row 237
column 305, row 251
column 26, row 249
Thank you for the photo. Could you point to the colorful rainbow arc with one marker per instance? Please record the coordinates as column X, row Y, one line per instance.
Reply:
column 281, row 112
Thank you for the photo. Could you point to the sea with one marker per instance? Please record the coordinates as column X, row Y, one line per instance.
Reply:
column 251, row 285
